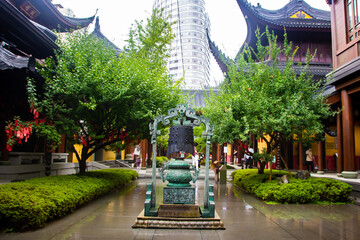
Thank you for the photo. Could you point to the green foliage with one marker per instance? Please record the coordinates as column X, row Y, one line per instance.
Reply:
column 163, row 138
column 32, row 203
column 230, row 167
column 263, row 156
column 160, row 161
column 97, row 98
column 200, row 140
column 267, row 98
column 226, row 128
column 312, row 190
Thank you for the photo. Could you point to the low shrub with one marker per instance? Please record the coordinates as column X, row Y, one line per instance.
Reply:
column 229, row 167
column 311, row 190
column 160, row 161
column 31, row 203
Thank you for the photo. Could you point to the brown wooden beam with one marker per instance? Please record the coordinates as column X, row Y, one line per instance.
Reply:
column 354, row 90
column 333, row 99
column 347, row 83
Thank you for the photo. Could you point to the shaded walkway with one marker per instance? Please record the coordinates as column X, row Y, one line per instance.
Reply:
column 245, row 217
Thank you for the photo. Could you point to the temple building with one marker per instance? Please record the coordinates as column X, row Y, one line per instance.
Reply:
column 27, row 38
column 190, row 54
column 345, row 83
column 309, row 29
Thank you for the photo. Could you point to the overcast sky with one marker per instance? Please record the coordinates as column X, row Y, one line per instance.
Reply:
column 228, row 28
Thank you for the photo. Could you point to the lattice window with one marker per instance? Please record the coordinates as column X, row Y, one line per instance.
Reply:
column 353, row 19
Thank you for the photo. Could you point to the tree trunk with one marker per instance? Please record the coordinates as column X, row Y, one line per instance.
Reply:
column 82, row 160
column 262, row 167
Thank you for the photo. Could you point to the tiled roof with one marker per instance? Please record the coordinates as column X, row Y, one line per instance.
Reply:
column 8, row 60
column 19, row 32
column 222, row 60
column 50, row 17
column 282, row 17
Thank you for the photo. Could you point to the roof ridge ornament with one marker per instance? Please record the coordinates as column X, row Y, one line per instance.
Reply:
column 301, row 14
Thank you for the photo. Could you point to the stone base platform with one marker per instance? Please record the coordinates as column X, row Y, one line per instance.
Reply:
column 179, row 211
column 179, row 223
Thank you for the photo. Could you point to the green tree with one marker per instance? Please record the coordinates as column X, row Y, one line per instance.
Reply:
column 267, row 98
column 99, row 99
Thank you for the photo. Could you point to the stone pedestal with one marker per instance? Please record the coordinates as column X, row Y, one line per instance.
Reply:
column 223, row 174
column 214, row 223
column 179, row 195
column 349, row 174
column 179, row 211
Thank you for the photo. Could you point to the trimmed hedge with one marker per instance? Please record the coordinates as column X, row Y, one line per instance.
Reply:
column 31, row 203
column 311, row 190
column 160, row 161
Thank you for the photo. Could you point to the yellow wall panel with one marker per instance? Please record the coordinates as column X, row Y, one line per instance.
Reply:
column 78, row 148
column 108, row 155
column 357, row 139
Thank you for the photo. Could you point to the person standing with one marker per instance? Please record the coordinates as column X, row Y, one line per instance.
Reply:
column 249, row 158
column 216, row 170
column 137, row 153
column 309, row 160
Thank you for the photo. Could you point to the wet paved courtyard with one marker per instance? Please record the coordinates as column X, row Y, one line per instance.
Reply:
column 245, row 217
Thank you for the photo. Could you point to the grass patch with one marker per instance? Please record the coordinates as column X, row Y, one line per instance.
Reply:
column 303, row 191
column 31, row 203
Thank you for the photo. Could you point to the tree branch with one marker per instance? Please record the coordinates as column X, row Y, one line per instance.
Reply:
column 76, row 153
column 102, row 145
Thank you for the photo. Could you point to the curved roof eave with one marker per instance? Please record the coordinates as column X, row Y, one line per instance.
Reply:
column 222, row 60
column 97, row 33
column 67, row 23
column 288, row 10
column 282, row 20
column 21, row 33
column 257, row 16
column 50, row 17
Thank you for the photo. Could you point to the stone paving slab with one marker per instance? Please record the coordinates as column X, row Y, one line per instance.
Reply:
column 244, row 217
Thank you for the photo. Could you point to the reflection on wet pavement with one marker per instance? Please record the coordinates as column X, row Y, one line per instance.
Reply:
column 244, row 216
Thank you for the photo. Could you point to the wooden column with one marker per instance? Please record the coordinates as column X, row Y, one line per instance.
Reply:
column 239, row 153
column 214, row 152
column 218, row 152
column 340, row 162
column 232, row 153
column 321, row 156
column 348, row 132
column 144, row 151
column 301, row 156
column 149, row 151
column 62, row 145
